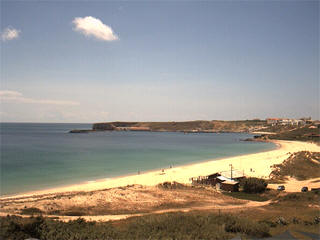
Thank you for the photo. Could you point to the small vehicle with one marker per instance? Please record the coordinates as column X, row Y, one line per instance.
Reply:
column 281, row 188
column 304, row 189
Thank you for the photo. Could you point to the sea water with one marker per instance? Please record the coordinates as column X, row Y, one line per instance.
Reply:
column 37, row 156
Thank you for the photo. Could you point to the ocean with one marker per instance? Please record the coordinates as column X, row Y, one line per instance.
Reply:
column 37, row 156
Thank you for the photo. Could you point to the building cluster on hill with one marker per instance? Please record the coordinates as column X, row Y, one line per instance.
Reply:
column 287, row 121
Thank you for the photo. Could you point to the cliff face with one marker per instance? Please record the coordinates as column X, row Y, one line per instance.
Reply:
column 103, row 127
column 189, row 126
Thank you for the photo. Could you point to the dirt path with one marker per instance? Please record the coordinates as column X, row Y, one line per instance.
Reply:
column 124, row 202
column 207, row 207
column 294, row 185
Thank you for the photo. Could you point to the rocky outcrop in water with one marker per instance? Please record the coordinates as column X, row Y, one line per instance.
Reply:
column 80, row 131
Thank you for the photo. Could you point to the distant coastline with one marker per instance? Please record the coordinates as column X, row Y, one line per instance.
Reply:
column 94, row 144
column 200, row 126
column 70, row 158
column 295, row 130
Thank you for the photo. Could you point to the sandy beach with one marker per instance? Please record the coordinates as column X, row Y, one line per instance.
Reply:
column 256, row 165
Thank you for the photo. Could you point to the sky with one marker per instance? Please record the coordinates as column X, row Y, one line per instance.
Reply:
column 95, row 61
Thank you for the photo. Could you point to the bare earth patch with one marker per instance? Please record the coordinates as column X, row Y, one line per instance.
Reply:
column 122, row 202
column 294, row 185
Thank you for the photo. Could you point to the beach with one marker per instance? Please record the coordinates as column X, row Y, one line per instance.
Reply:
column 255, row 165
column 42, row 156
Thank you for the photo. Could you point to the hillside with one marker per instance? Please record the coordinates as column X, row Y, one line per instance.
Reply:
column 300, row 165
column 186, row 212
column 188, row 126
column 306, row 133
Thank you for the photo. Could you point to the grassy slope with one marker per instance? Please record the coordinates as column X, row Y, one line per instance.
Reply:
column 297, row 212
column 299, row 134
column 163, row 226
column 229, row 126
column 123, row 200
column 301, row 165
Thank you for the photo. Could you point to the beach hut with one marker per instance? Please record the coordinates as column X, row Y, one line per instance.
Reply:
column 230, row 186
column 216, row 179
column 233, row 175
column 212, row 179
column 219, row 180
column 208, row 180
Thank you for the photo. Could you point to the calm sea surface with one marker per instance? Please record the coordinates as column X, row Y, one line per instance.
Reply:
column 37, row 156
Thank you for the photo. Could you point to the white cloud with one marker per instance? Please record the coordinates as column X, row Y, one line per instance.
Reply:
column 14, row 96
column 8, row 93
column 91, row 26
column 10, row 33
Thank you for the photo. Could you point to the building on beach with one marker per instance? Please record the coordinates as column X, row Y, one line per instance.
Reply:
column 230, row 186
column 233, row 175
column 226, row 180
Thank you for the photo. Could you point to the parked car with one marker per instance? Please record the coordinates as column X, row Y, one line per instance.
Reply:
column 304, row 189
column 281, row 188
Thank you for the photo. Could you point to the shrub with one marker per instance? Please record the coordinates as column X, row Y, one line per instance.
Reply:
column 302, row 198
column 162, row 226
column 74, row 213
column 248, row 227
column 301, row 165
column 31, row 211
column 254, row 185
column 247, row 196
column 175, row 226
column 171, row 185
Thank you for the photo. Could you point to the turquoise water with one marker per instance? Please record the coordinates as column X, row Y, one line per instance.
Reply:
column 39, row 156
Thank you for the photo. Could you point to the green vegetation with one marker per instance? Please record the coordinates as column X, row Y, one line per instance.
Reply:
column 247, row 196
column 279, row 128
column 253, row 189
column 74, row 213
column 301, row 165
column 216, row 126
column 287, row 211
column 253, row 185
column 164, row 226
column 309, row 197
column 173, row 185
column 31, row 211
column 293, row 211
column 298, row 134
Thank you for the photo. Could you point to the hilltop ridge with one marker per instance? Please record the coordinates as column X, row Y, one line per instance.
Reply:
column 264, row 129
column 187, row 126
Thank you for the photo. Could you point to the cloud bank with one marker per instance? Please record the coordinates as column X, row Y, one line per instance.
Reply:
column 90, row 26
column 14, row 96
column 9, row 34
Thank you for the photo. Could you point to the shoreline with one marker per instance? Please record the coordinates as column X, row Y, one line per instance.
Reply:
column 134, row 173
column 259, row 162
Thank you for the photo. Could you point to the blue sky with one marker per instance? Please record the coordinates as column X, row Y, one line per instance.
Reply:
column 170, row 60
